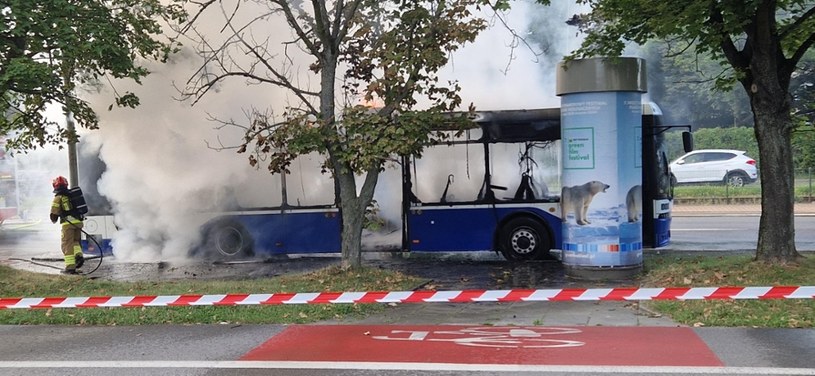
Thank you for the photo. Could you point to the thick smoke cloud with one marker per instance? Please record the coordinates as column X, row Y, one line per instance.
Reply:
column 164, row 181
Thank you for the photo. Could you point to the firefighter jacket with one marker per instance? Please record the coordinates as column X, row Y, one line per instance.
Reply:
column 61, row 208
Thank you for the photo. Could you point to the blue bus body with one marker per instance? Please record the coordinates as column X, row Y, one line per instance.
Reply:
column 289, row 231
column 472, row 227
column 523, row 227
column 244, row 233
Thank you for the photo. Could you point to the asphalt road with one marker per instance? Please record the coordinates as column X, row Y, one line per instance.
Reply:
column 728, row 233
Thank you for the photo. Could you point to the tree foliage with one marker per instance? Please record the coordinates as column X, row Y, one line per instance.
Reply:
column 763, row 41
column 51, row 48
column 684, row 87
column 385, row 55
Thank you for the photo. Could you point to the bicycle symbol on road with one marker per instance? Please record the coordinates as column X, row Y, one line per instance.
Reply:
column 492, row 336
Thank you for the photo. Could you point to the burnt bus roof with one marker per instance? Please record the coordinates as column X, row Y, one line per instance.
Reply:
column 542, row 124
column 519, row 125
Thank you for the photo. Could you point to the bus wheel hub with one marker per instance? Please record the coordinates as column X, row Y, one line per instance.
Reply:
column 523, row 241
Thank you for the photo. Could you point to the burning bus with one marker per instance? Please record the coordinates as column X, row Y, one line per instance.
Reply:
column 495, row 188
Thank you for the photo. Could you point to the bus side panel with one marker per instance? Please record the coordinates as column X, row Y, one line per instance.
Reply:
column 451, row 229
column 102, row 228
column 294, row 232
column 448, row 229
column 662, row 232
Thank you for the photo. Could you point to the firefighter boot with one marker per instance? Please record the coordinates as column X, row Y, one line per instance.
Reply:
column 80, row 260
column 70, row 265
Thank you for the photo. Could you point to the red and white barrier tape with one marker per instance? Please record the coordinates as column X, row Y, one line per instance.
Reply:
column 461, row 296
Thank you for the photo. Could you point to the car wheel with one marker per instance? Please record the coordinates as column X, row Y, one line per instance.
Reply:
column 735, row 179
column 524, row 239
column 227, row 240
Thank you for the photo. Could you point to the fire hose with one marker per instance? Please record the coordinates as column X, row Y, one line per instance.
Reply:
column 89, row 236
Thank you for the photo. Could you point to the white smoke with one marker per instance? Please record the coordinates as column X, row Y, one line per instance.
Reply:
column 494, row 75
column 162, row 178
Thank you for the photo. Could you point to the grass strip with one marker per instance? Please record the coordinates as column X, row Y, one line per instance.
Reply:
column 713, row 271
column 18, row 283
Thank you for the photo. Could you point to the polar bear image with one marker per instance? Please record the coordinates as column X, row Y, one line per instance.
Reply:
column 633, row 202
column 577, row 199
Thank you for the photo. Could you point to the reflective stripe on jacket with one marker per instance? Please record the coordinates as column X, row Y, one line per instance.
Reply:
column 61, row 207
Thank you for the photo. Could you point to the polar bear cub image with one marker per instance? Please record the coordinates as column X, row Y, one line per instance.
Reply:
column 577, row 199
column 633, row 202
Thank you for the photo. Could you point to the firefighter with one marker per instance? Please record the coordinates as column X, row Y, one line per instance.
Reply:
column 71, row 224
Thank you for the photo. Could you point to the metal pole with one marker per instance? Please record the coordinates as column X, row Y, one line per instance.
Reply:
column 73, row 173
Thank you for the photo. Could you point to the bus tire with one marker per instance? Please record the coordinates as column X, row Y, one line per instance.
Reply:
column 227, row 239
column 523, row 239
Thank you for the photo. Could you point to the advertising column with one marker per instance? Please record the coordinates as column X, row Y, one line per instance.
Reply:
column 601, row 198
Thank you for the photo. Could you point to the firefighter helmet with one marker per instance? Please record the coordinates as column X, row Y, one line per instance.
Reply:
column 59, row 181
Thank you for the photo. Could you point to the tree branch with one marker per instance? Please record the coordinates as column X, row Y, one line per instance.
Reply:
column 348, row 16
column 791, row 28
column 792, row 62
column 280, row 79
column 733, row 55
column 292, row 20
column 321, row 22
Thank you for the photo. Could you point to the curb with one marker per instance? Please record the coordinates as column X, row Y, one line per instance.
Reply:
column 460, row 296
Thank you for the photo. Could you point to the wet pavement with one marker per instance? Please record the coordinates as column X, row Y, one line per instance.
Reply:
column 33, row 246
column 30, row 247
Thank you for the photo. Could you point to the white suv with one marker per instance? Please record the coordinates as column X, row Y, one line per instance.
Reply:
column 714, row 166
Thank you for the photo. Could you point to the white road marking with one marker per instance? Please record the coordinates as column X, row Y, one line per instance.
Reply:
column 706, row 229
column 246, row 364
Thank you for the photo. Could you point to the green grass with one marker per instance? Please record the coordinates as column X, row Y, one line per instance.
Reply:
column 802, row 192
column 708, row 191
column 702, row 271
column 17, row 283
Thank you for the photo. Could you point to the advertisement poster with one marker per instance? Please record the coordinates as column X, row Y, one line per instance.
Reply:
column 601, row 199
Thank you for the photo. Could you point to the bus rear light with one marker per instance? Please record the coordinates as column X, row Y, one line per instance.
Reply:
column 415, row 241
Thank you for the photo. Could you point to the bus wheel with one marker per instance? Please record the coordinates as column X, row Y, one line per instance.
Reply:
column 228, row 239
column 524, row 239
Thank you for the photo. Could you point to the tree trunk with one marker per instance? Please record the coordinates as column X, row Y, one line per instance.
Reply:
column 776, row 232
column 767, row 81
column 352, row 223
column 353, row 208
column 773, row 127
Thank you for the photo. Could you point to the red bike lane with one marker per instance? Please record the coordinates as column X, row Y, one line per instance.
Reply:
column 498, row 345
